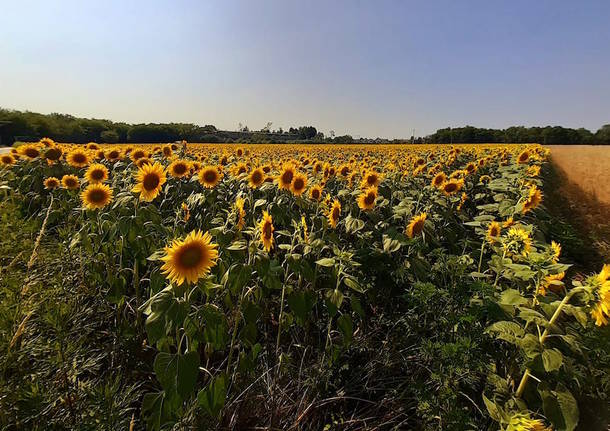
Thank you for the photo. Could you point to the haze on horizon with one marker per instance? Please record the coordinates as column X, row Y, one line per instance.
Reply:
column 364, row 68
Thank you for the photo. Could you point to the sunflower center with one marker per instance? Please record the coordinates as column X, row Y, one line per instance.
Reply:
column 151, row 181
column 298, row 184
column 267, row 230
column 32, row 152
column 191, row 256
column 371, row 179
column 79, row 158
column 369, row 199
column 97, row 196
column 97, row 174
column 257, row 177
column 113, row 155
column 209, row 176
column 180, row 168
column 53, row 154
column 138, row 155
column 287, row 177
column 335, row 213
column 450, row 187
column 418, row 227
column 315, row 193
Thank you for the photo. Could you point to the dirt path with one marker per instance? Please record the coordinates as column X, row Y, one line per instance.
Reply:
column 587, row 166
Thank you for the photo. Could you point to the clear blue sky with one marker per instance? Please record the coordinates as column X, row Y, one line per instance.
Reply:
column 369, row 68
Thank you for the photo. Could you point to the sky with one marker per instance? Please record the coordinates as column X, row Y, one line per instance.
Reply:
column 367, row 68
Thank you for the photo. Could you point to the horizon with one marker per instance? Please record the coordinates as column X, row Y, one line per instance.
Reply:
column 366, row 70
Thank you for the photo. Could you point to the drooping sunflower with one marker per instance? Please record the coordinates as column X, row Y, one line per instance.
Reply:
column 178, row 168
column 51, row 183
column 452, row 186
column 96, row 173
column 256, row 178
column 209, row 176
column 523, row 156
column 167, row 151
column 266, row 226
column 517, row 242
column 112, row 155
column 334, row 213
column 493, row 232
column 143, row 161
column 96, row 196
column 533, row 199
column 439, row 179
column 70, row 182
column 299, row 182
column 7, row 159
column 315, row 193
column 189, row 259
column 601, row 310
column 284, row 180
column 150, row 180
column 366, row 200
column 521, row 422
column 551, row 282
column 555, row 250
column 416, row 225
column 77, row 158
column 241, row 213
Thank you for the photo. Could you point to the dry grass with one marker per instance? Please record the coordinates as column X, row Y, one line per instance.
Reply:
column 586, row 166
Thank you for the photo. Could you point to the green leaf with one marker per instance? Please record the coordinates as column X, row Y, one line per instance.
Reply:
column 493, row 409
column 346, row 326
column 390, row 245
column 187, row 372
column 507, row 331
column 327, row 262
column 301, row 303
column 512, row 297
column 212, row 398
column 353, row 284
column 552, row 359
column 569, row 407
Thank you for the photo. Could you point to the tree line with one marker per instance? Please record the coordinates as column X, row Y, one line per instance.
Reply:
column 31, row 126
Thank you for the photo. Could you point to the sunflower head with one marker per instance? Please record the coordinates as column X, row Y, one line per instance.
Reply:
column 31, row 151
column 70, row 182
column 51, row 183
column 179, row 168
column 523, row 157
column 256, row 178
column 137, row 154
column 439, row 179
column 284, row 180
column 366, row 200
column 416, row 225
column 534, row 198
column 96, row 173
column 452, row 186
column 150, row 180
column 189, row 259
column 53, row 153
column 112, row 155
column 96, row 196
column 517, row 242
column 241, row 213
column 493, row 232
column 77, row 158
column 370, row 179
column 266, row 226
column 299, row 182
column 334, row 213
column 167, row 151
column 315, row 193
column 209, row 176
column 7, row 159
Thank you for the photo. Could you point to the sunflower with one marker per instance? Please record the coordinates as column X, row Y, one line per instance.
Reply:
column 150, row 180
column 439, row 179
column 112, row 155
column 551, row 282
column 299, row 182
column 416, row 225
column 31, row 151
column 523, row 157
column 167, row 151
column 77, row 158
column 533, row 171
column 517, row 242
column 533, row 199
column 493, row 232
column 51, row 183
column 178, row 168
column 209, row 177
column 138, row 154
column 452, row 186
column 266, row 226
column 256, row 178
column 189, row 259
column 484, row 179
column 601, row 311
column 315, row 193
column 96, row 173
column 334, row 213
column 555, row 250
column 186, row 213
column 370, row 179
column 70, row 182
column 7, row 159
column 143, row 161
column 508, row 222
column 284, row 180
column 241, row 213
column 521, row 422
column 96, row 196
column 53, row 153
column 366, row 200
column 305, row 230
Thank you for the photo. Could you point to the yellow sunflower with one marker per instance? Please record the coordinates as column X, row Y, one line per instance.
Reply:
column 551, row 282
column 241, row 213
column 113, row 155
column 523, row 157
column 137, row 154
column 334, row 213
column 315, row 193
column 178, row 168
column 555, row 250
column 517, row 242
column 284, row 180
column 209, row 176
column 439, row 179
column 366, row 200
column 416, row 225
column 96, row 196
column 7, row 159
column 299, row 182
column 150, row 180
column 189, row 259
column 452, row 186
column 53, row 153
column 77, row 158
column 266, row 226
column 51, row 183
column 70, row 182
column 96, row 173
column 370, row 179
column 493, row 232
column 533, row 199
column 256, row 178
column 31, row 151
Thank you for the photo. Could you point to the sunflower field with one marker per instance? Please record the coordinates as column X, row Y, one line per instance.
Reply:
column 222, row 286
